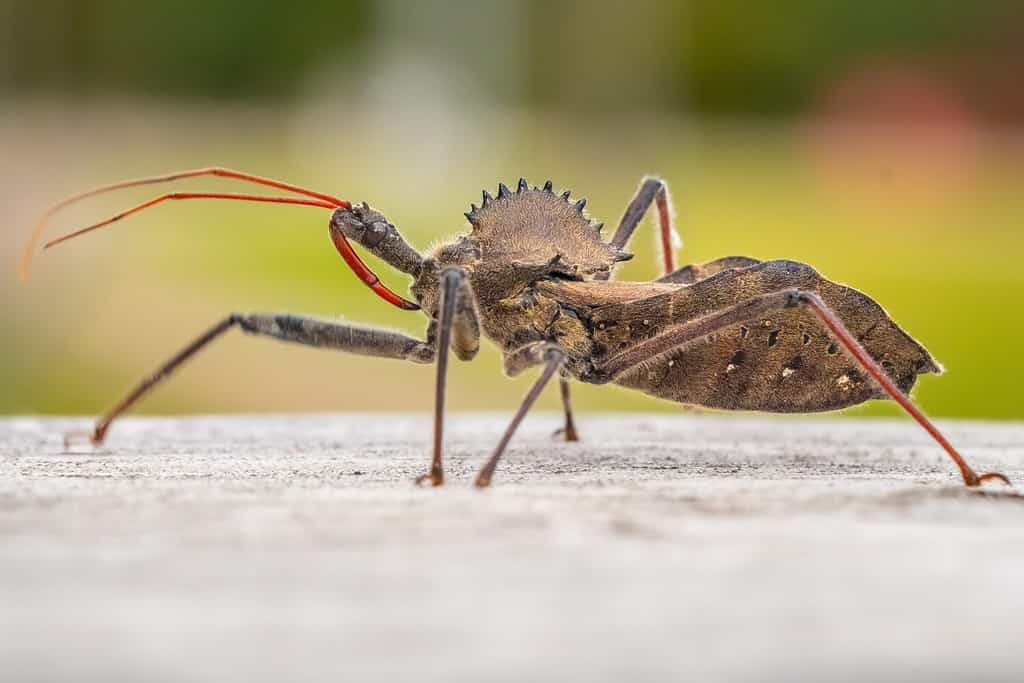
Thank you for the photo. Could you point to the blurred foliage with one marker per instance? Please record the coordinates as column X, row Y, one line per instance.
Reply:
column 747, row 57
column 187, row 47
column 707, row 56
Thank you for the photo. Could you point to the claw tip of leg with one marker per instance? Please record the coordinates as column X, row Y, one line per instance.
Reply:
column 432, row 479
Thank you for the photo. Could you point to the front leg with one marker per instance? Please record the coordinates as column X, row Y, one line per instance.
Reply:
column 457, row 327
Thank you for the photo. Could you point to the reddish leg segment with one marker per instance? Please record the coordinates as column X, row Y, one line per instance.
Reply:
column 855, row 349
column 665, row 226
column 652, row 190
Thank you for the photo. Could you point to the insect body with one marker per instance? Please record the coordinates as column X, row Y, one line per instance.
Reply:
column 532, row 275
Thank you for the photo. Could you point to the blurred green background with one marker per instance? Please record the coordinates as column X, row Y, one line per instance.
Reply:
column 879, row 141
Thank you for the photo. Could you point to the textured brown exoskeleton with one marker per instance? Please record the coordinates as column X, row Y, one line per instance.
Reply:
column 533, row 274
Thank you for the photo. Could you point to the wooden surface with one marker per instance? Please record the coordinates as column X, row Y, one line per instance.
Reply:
column 683, row 548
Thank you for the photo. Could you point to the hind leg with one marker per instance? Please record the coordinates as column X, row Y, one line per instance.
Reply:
column 699, row 330
column 553, row 359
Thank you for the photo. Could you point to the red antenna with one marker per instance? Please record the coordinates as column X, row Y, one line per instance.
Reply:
column 317, row 199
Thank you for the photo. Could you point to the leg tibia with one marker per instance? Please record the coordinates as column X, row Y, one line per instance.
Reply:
column 453, row 288
column 651, row 191
column 553, row 359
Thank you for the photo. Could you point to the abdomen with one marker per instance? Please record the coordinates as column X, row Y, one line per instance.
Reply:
column 785, row 362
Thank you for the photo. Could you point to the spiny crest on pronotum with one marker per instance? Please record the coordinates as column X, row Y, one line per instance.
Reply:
column 534, row 226
column 531, row 276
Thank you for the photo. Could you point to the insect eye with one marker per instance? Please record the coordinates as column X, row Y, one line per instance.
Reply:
column 375, row 234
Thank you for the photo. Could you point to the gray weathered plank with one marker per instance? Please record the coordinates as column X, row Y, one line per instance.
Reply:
column 296, row 548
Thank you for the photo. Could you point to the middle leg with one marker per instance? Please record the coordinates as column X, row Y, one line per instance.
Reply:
column 652, row 190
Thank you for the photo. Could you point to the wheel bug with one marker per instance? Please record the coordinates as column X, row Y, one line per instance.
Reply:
column 533, row 275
